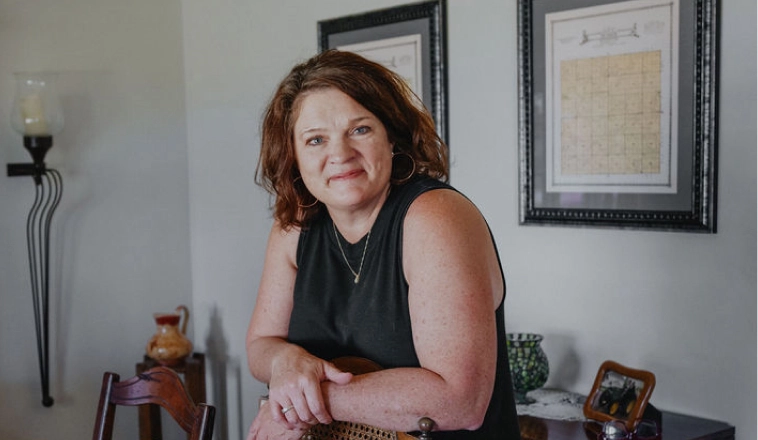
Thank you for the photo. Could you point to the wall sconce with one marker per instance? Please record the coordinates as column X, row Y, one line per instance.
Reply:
column 37, row 116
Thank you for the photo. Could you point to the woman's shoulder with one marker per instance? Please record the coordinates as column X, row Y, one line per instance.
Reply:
column 281, row 233
column 283, row 242
column 423, row 202
column 442, row 211
column 445, row 201
column 408, row 193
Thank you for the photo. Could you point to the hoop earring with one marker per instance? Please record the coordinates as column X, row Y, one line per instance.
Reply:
column 299, row 205
column 400, row 181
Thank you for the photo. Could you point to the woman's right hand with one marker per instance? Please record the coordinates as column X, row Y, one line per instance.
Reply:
column 295, row 395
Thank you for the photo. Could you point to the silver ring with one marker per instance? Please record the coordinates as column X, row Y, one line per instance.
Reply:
column 287, row 409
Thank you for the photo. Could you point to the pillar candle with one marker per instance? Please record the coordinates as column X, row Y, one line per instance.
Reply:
column 33, row 114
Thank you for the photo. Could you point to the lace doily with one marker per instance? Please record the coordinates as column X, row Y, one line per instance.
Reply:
column 554, row 404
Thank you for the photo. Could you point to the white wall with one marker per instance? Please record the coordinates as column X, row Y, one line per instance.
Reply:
column 121, row 233
column 680, row 305
column 133, row 210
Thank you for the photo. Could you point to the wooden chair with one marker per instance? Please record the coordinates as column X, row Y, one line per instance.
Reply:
column 160, row 386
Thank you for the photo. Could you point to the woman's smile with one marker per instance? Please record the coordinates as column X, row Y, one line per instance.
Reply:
column 348, row 175
column 343, row 153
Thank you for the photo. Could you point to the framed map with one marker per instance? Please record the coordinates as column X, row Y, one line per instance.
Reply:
column 410, row 40
column 617, row 109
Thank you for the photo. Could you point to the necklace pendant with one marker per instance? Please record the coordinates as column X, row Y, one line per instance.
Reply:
column 342, row 251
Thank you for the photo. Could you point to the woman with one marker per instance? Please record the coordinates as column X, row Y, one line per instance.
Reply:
column 372, row 255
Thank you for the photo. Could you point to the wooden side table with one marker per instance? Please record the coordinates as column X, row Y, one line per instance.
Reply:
column 558, row 415
column 674, row 427
column 193, row 369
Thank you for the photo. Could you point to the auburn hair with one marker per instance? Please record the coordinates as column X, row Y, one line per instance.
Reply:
column 409, row 127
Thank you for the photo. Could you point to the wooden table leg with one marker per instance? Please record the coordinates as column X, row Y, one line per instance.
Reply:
column 195, row 377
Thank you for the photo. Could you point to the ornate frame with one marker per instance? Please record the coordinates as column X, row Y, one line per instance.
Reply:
column 606, row 393
column 427, row 19
column 692, row 205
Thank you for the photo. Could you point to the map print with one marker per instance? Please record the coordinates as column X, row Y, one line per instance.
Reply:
column 611, row 98
column 611, row 114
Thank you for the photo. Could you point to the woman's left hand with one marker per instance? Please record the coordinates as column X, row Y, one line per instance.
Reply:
column 295, row 388
column 264, row 427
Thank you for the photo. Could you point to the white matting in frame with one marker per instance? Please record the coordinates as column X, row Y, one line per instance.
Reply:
column 401, row 54
column 611, row 98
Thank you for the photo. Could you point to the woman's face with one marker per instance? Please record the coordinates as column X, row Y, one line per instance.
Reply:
column 342, row 150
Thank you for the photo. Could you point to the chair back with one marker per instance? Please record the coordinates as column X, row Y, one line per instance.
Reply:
column 159, row 386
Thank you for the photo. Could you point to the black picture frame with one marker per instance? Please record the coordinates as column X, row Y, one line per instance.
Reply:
column 690, row 204
column 426, row 20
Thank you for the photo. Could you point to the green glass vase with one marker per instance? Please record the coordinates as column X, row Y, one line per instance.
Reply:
column 528, row 362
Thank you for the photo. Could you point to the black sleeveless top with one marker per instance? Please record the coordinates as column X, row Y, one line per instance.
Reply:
column 333, row 316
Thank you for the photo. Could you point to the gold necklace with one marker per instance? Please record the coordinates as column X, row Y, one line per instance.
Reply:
column 365, row 248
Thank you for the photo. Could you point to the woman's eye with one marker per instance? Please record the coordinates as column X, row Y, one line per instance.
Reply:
column 361, row 130
column 317, row 140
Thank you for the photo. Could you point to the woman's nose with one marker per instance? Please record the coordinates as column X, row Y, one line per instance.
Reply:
column 340, row 150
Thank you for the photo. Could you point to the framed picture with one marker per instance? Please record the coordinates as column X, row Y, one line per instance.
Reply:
column 409, row 39
column 619, row 393
column 617, row 113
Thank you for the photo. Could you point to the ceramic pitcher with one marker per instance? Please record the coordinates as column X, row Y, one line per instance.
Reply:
column 169, row 345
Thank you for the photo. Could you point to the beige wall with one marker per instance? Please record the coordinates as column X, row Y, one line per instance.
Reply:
column 163, row 102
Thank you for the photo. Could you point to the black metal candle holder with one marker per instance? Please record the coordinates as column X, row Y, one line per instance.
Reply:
column 48, row 191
